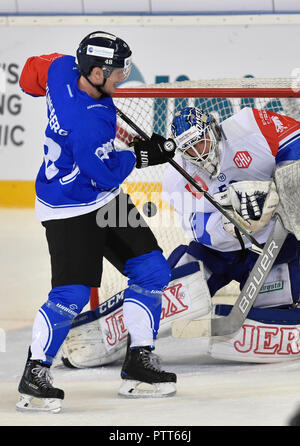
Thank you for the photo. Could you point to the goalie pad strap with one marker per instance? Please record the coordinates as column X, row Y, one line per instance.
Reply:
column 184, row 270
column 176, row 255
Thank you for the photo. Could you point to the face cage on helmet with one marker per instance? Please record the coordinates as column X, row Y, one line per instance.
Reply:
column 209, row 161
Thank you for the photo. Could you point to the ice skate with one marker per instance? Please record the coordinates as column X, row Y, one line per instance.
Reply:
column 142, row 376
column 37, row 392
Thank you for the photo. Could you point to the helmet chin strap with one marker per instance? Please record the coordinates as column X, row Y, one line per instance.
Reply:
column 98, row 86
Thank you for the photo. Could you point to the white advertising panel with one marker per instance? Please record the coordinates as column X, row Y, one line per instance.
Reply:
column 160, row 53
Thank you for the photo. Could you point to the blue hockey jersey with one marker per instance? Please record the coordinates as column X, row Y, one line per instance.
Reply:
column 81, row 170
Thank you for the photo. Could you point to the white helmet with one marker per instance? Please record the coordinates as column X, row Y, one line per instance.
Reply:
column 192, row 125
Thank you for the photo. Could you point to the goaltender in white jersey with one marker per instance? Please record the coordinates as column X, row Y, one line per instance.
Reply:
column 249, row 146
column 235, row 162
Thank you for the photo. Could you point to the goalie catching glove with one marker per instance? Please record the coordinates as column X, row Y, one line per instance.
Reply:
column 155, row 151
column 251, row 203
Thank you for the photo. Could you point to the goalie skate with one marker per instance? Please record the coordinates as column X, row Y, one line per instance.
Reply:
column 142, row 376
column 37, row 392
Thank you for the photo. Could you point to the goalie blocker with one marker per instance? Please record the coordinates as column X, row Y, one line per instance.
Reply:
column 268, row 335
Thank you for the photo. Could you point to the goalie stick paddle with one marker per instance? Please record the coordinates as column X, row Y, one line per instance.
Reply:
column 255, row 245
column 227, row 325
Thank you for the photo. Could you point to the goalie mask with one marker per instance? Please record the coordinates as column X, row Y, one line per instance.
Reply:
column 197, row 136
column 104, row 50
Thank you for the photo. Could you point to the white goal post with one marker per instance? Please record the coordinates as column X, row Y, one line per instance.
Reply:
column 152, row 108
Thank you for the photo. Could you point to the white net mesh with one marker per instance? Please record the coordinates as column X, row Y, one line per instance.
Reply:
column 155, row 114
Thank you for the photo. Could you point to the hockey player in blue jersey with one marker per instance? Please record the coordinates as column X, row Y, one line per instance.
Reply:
column 80, row 175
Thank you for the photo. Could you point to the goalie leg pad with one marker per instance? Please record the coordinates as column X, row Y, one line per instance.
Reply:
column 137, row 389
column 97, row 337
column 28, row 403
column 267, row 336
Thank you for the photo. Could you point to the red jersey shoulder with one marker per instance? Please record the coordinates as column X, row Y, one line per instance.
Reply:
column 33, row 79
column 275, row 127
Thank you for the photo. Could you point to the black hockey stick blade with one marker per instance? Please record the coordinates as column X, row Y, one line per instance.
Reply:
column 226, row 325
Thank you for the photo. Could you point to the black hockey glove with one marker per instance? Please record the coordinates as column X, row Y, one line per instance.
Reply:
column 155, row 151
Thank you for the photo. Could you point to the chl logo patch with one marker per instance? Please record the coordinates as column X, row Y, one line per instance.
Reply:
column 242, row 159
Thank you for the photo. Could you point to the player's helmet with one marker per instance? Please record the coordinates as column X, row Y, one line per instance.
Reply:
column 102, row 49
column 192, row 125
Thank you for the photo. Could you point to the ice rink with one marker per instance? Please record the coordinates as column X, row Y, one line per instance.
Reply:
column 209, row 392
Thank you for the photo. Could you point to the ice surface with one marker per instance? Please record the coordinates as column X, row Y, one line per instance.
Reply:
column 210, row 392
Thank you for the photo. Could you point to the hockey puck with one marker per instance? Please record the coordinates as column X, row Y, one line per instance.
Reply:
column 149, row 209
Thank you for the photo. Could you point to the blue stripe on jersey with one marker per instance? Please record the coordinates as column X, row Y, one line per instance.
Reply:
column 198, row 225
column 286, row 143
column 289, row 151
column 50, row 331
column 91, row 203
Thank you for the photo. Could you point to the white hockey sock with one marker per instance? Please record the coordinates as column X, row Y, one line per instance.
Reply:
column 139, row 322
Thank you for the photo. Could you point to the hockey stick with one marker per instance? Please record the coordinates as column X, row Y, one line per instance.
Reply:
column 255, row 245
column 227, row 325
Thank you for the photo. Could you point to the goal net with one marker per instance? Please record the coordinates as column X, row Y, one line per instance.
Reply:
column 152, row 108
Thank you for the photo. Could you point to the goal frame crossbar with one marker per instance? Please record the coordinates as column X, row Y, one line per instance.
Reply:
column 206, row 92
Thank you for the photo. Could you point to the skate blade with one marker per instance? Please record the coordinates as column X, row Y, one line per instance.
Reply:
column 138, row 389
column 29, row 403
